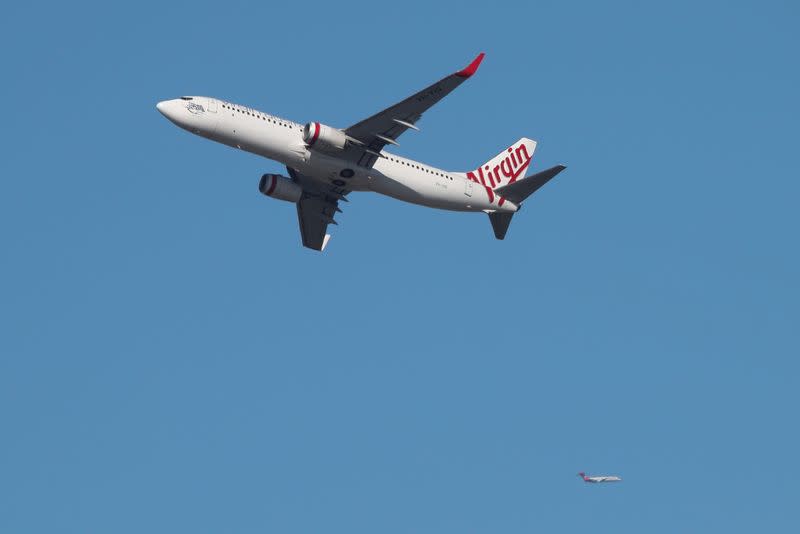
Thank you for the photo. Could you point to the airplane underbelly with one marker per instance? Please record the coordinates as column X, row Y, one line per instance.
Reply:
column 335, row 171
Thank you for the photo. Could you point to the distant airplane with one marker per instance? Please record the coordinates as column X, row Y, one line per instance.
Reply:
column 596, row 479
column 325, row 164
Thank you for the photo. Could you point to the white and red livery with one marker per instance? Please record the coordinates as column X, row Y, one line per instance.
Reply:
column 597, row 479
column 325, row 164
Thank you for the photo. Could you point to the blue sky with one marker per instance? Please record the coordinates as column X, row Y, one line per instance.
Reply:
column 171, row 359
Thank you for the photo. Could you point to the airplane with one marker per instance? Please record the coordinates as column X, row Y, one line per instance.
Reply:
column 325, row 164
column 596, row 479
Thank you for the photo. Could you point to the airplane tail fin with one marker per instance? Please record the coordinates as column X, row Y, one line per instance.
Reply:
column 503, row 170
column 507, row 166
column 501, row 176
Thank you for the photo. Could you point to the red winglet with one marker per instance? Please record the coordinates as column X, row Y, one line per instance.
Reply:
column 472, row 67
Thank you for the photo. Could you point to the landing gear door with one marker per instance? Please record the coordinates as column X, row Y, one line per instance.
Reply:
column 468, row 187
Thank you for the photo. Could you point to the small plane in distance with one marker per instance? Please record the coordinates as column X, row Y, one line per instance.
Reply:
column 325, row 164
column 596, row 479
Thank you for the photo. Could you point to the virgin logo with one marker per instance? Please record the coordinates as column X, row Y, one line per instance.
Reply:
column 506, row 172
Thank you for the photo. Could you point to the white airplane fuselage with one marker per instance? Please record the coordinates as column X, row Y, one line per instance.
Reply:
column 598, row 479
column 281, row 140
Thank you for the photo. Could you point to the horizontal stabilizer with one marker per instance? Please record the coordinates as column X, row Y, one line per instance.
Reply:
column 521, row 189
column 500, row 222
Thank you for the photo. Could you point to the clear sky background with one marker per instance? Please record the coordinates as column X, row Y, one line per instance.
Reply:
column 172, row 360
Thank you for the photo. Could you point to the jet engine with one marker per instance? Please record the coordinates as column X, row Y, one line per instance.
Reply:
column 280, row 187
column 323, row 137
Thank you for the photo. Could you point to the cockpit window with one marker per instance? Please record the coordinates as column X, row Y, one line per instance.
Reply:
column 186, row 98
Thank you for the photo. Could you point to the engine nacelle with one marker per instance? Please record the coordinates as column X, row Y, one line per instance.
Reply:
column 323, row 137
column 280, row 187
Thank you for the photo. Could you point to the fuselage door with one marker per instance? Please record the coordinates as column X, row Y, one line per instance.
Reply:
column 468, row 187
column 212, row 105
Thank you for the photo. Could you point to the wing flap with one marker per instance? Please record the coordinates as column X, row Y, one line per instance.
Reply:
column 316, row 210
column 313, row 227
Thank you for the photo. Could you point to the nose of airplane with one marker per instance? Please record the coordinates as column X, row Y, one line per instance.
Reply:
column 169, row 110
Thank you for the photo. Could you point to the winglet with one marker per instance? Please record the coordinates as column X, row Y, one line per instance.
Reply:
column 472, row 67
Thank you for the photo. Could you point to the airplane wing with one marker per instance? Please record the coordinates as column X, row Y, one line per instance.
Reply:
column 374, row 133
column 316, row 208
